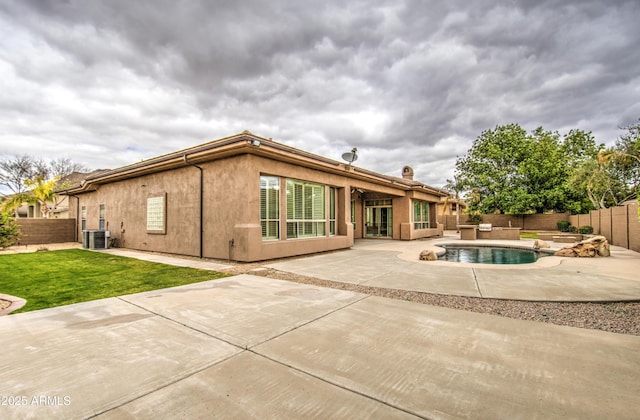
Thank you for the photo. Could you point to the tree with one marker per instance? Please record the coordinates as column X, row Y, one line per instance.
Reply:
column 43, row 192
column 32, row 180
column 625, row 157
column 454, row 187
column 603, row 189
column 490, row 169
column 15, row 171
column 9, row 231
column 515, row 172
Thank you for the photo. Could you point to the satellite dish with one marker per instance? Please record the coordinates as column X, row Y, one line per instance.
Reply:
column 350, row 156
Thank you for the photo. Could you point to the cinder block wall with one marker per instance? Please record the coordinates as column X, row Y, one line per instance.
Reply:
column 525, row 222
column 634, row 228
column 46, row 231
column 543, row 221
column 618, row 224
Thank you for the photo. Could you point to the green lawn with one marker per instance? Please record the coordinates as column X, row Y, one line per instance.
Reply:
column 54, row 278
column 528, row 235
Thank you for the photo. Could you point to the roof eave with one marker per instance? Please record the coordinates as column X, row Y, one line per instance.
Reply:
column 244, row 143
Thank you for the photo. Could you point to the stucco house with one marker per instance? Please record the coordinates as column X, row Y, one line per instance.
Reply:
column 248, row 198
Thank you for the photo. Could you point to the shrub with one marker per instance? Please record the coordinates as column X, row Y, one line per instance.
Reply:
column 573, row 229
column 585, row 230
column 475, row 219
column 9, row 231
column 563, row 226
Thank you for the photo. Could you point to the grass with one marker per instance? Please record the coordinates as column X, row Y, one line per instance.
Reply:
column 528, row 235
column 55, row 278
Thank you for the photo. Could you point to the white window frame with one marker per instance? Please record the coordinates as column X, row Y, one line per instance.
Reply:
column 269, row 211
column 306, row 214
column 102, row 217
column 333, row 211
column 83, row 217
column 420, row 215
column 157, row 214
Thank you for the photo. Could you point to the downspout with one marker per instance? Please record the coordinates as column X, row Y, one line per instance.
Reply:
column 186, row 161
column 77, row 215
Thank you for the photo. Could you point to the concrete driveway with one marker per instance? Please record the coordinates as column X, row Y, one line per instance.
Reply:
column 253, row 347
column 395, row 265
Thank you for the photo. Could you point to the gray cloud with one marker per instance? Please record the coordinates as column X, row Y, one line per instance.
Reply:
column 407, row 82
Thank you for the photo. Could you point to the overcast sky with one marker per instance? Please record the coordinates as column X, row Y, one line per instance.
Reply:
column 108, row 83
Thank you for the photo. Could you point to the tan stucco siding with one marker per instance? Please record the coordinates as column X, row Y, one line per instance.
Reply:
column 126, row 211
column 248, row 243
column 231, row 209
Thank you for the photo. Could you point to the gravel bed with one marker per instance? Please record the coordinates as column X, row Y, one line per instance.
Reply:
column 616, row 317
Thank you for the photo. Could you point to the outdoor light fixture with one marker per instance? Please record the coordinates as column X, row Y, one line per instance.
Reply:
column 255, row 143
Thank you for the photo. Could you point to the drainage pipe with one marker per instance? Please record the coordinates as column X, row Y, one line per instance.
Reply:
column 186, row 161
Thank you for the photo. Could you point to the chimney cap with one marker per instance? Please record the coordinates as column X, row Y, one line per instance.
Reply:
column 407, row 173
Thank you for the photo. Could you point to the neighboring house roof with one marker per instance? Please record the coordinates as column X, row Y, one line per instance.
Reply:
column 75, row 179
column 244, row 143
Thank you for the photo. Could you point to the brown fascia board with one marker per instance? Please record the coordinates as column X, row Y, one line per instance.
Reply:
column 242, row 144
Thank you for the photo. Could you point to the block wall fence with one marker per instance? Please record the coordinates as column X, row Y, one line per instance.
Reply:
column 522, row 221
column 618, row 224
column 46, row 231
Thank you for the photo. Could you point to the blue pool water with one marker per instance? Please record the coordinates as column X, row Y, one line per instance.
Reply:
column 489, row 255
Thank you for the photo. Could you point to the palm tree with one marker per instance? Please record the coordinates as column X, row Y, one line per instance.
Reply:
column 13, row 201
column 43, row 192
column 454, row 187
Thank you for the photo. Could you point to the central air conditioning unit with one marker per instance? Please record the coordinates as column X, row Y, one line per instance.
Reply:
column 95, row 239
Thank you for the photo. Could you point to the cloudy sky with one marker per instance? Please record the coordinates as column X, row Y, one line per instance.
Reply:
column 108, row 83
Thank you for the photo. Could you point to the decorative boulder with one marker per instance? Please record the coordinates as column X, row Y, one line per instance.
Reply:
column 428, row 255
column 598, row 246
column 539, row 243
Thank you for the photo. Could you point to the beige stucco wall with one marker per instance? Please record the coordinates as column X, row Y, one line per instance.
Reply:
column 231, row 209
column 126, row 211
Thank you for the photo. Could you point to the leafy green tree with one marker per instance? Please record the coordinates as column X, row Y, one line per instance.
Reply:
column 490, row 169
column 511, row 171
column 624, row 158
column 602, row 188
column 9, row 231
column 43, row 192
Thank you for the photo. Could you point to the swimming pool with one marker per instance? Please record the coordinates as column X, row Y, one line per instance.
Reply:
column 489, row 254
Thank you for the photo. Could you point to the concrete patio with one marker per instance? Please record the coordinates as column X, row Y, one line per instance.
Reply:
column 395, row 265
column 254, row 347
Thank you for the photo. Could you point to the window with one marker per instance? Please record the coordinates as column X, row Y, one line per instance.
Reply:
column 353, row 212
column 157, row 214
column 83, row 217
column 420, row 215
column 305, row 209
column 101, row 217
column 332, row 211
column 270, row 207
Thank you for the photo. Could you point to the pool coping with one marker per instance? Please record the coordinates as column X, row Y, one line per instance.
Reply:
column 434, row 245
column 441, row 251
